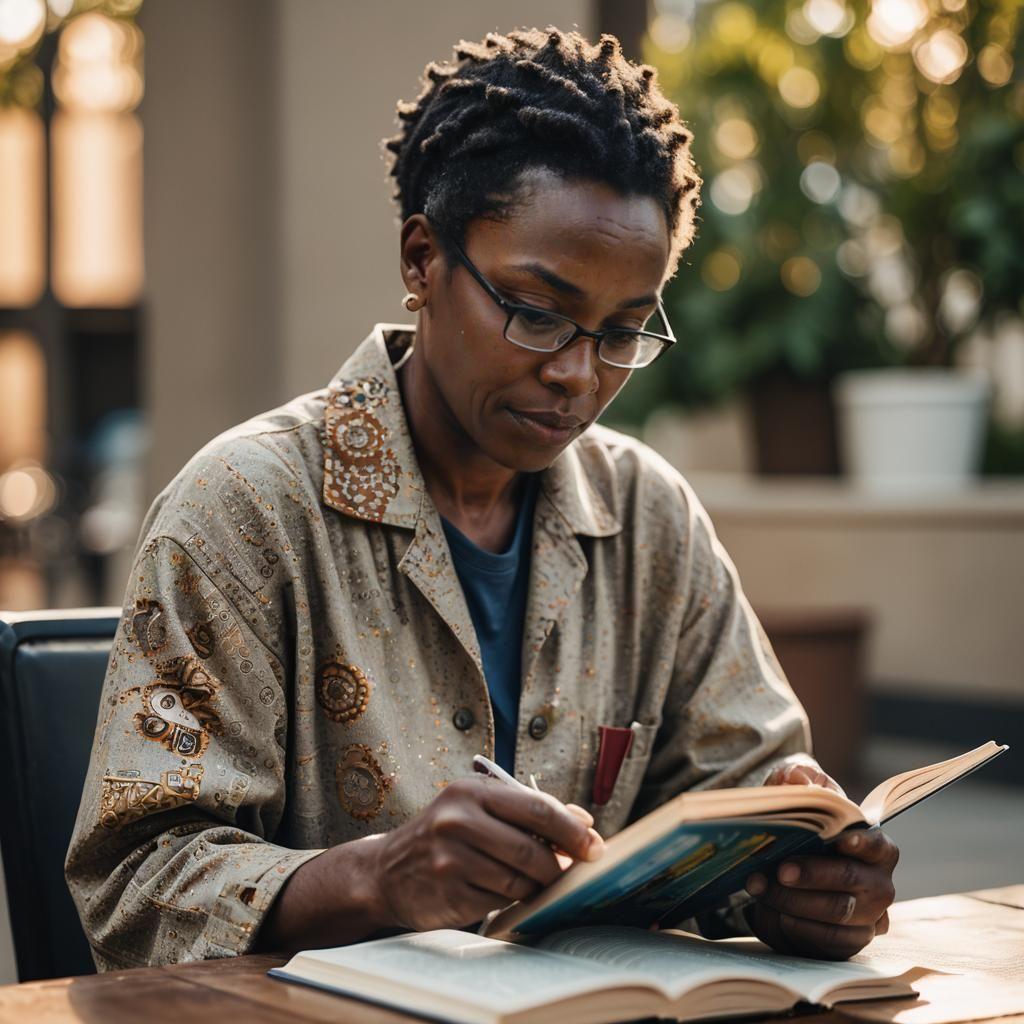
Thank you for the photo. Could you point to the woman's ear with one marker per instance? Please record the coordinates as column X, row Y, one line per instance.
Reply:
column 421, row 255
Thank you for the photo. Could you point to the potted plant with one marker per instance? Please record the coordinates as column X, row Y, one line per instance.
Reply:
column 862, row 205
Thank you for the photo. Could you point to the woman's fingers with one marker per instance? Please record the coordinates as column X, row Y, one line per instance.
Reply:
column 802, row 775
column 840, row 873
column 825, row 907
column 870, row 845
column 832, row 941
column 542, row 815
column 801, row 937
column 492, row 876
column 582, row 813
column 501, row 842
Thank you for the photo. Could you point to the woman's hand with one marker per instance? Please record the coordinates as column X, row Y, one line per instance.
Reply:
column 476, row 848
column 828, row 907
column 471, row 851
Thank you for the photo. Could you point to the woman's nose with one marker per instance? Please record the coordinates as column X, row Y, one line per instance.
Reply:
column 573, row 369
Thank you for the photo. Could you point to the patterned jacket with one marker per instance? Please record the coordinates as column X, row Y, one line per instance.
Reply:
column 296, row 665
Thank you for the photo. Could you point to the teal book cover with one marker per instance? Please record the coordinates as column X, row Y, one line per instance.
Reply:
column 689, row 868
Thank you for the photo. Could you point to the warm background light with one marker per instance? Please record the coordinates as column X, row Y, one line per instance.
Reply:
column 735, row 23
column 670, row 32
column 22, row 201
column 733, row 190
column 736, row 138
column 22, row 398
column 97, row 207
column 894, row 23
column 799, row 87
column 721, row 270
column 820, row 182
column 21, row 22
column 27, row 491
column 995, row 65
column 941, row 57
column 828, row 17
column 97, row 164
column 800, row 275
column 99, row 65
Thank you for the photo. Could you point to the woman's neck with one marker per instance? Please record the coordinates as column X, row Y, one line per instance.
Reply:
column 477, row 495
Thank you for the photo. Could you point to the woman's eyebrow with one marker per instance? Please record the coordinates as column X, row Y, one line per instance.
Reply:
column 568, row 288
column 550, row 277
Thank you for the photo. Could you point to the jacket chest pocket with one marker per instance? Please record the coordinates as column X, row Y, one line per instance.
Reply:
column 610, row 817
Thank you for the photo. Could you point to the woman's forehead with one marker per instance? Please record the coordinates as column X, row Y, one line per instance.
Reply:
column 574, row 222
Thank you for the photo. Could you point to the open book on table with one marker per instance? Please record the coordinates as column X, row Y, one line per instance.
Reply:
column 698, row 848
column 584, row 976
column 688, row 854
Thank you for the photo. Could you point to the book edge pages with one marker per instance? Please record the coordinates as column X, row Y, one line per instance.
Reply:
column 318, row 977
column 306, row 968
column 876, row 806
column 705, row 962
column 568, row 1007
column 575, row 1002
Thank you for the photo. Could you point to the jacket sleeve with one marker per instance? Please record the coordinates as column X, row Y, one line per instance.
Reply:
column 172, row 857
column 729, row 716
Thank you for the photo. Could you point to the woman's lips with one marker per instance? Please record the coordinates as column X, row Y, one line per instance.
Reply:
column 549, row 428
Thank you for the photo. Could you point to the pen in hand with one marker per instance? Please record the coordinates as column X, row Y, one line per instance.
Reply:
column 485, row 766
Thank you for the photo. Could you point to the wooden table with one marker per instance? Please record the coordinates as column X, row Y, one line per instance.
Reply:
column 237, row 990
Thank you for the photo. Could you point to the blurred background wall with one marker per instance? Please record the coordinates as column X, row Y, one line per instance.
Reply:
column 272, row 143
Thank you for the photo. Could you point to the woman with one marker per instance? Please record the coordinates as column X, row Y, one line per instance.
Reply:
column 337, row 604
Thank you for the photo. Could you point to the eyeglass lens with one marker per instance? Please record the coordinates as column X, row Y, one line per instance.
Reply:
column 534, row 330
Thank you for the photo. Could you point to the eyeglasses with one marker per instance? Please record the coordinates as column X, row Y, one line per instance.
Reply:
column 541, row 330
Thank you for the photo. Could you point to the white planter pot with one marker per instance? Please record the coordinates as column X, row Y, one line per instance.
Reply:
column 911, row 430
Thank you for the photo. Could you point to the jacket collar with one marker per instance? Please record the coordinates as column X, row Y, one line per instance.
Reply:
column 370, row 467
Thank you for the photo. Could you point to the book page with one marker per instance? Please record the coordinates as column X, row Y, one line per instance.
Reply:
column 681, row 960
column 902, row 791
column 500, row 976
column 943, row 999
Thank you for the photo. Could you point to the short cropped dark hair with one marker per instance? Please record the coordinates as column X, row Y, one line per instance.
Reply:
column 540, row 99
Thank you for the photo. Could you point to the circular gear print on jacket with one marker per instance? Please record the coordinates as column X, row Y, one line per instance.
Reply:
column 343, row 691
column 361, row 782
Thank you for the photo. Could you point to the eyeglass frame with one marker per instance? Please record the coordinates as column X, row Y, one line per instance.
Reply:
column 511, row 308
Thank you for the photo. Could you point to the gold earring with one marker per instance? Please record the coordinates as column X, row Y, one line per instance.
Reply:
column 412, row 302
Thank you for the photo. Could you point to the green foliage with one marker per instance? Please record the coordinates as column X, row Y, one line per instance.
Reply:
column 1004, row 451
column 862, row 199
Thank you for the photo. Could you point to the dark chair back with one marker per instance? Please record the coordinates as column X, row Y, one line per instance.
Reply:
column 52, row 665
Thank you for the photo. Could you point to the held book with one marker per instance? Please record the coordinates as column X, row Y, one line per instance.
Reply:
column 584, row 976
column 698, row 848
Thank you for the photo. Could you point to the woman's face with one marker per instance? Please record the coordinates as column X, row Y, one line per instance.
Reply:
column 577, row 248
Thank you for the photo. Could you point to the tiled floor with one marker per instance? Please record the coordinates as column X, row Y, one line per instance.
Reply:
column 970, row 836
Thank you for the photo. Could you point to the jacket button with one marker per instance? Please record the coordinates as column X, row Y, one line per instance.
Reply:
column 463, row 719
column 538, row 727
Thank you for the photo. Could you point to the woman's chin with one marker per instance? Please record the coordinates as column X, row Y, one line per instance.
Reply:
column 526, row 458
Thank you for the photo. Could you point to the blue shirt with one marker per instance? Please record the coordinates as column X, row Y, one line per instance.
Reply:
column 496, row 586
